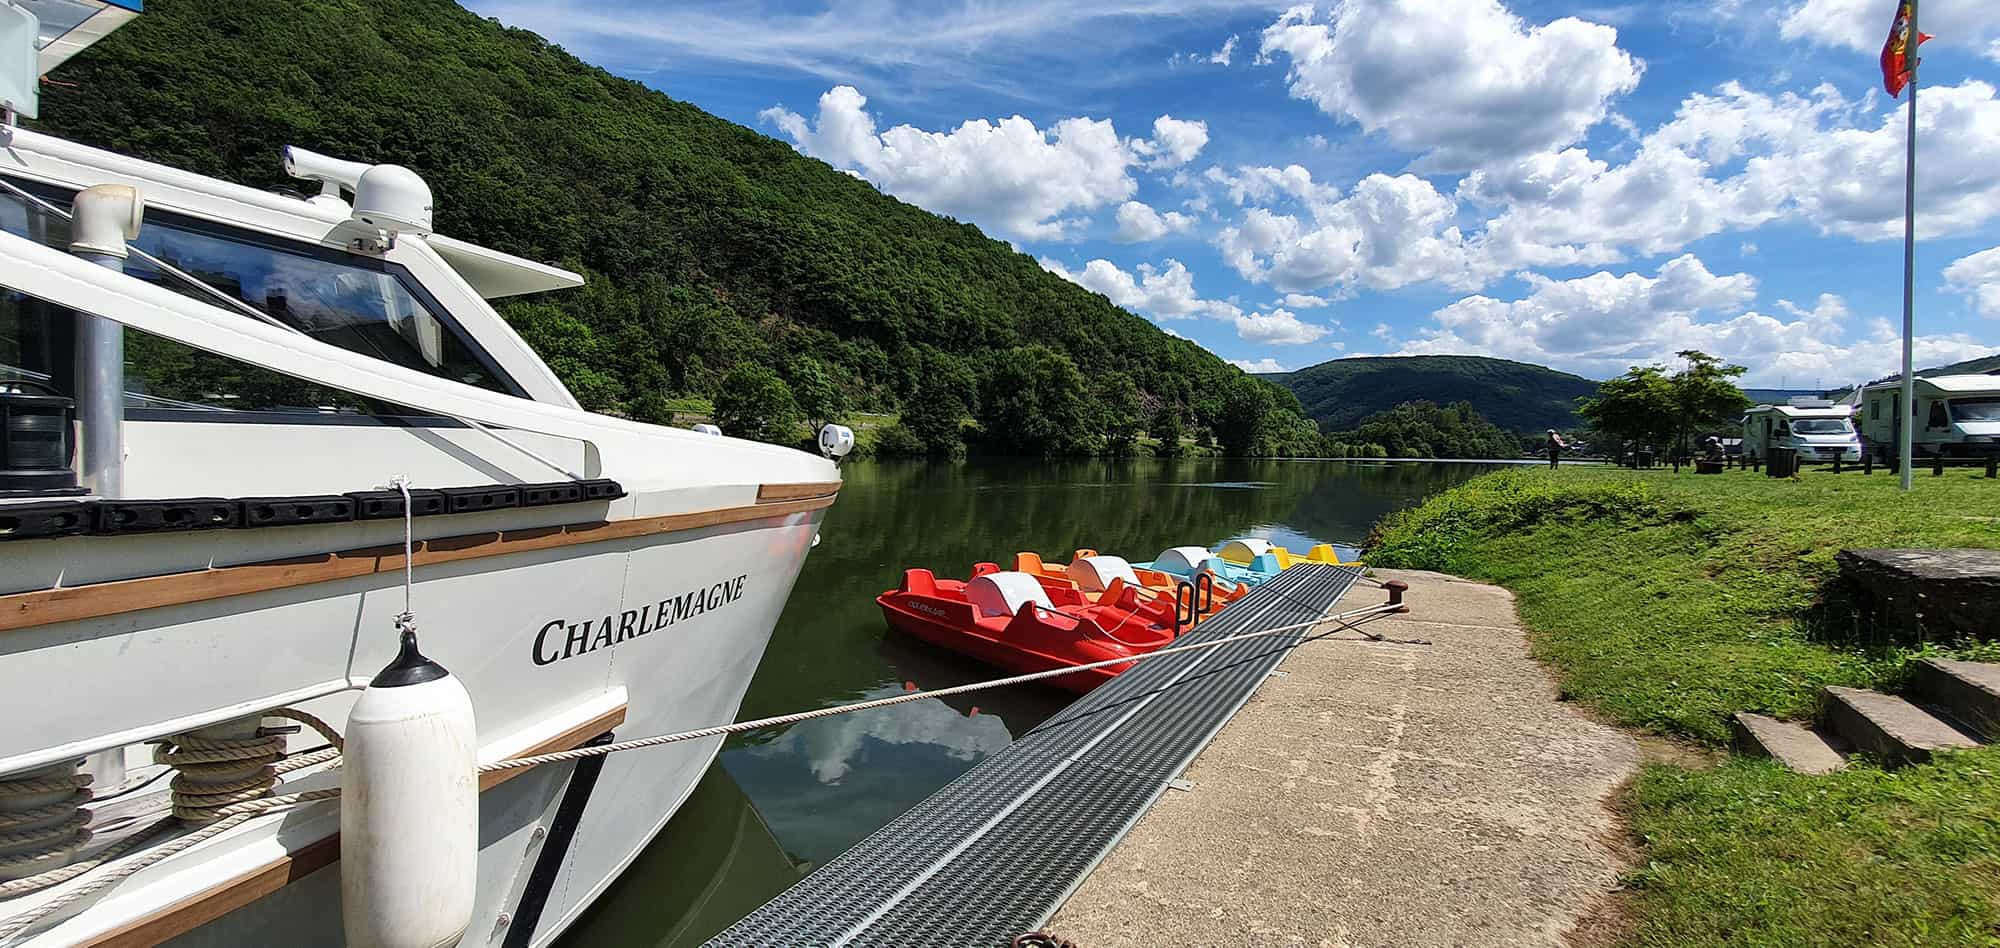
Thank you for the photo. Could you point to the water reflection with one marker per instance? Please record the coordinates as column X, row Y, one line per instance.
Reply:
column 783, row 801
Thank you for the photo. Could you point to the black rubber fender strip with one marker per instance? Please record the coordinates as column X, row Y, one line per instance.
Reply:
column 165, row 516
column 387, row 504
column 57, row 518
column 103, row 517
column 284, row 511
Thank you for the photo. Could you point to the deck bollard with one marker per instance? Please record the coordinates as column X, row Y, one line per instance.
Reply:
column 1397, row 588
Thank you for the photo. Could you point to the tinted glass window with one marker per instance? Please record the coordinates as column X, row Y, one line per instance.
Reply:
column 1938, row 418
column 1975, row 409
column 37, row 346
column 353, row 302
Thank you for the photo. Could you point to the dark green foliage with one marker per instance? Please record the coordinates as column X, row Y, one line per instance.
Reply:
column 1122, row 412
column 1649, row 406
column 1166, row 428
column 1033, row 401
column 755, row 403
column 818, row 394
column 707, row 246
column 1513, row 395
column 1424, row 430
column 1240, row 426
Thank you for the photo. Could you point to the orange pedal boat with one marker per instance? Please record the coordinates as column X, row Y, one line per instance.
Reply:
column 1028, row 623
column 1091, row 573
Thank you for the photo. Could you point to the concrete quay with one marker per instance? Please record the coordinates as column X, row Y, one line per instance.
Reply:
column 1380, row 794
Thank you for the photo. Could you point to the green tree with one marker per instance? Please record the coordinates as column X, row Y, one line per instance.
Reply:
column 755, row 403
column 1119, row 397
column 1166, row 428
column 942, row 396
column 1650, row 406
column 817, row 392
column 1033, row 402
column 1421, row 429
column 1242, row 421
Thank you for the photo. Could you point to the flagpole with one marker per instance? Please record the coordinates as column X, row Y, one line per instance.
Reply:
column 1909, row 419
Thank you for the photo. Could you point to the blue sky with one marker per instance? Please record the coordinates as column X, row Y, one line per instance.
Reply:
column 1586, row 187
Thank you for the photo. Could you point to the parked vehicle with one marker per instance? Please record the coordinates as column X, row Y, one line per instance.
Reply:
column 1816, row 429
column 1954, row 415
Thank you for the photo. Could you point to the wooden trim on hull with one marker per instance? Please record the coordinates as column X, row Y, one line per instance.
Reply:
column 224, row 897
column 68, row 604
column 775, row 493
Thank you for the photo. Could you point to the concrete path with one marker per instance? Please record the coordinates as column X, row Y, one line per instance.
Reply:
column 1379, row 794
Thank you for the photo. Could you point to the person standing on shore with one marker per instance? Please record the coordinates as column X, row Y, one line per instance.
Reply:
column 1556, row 446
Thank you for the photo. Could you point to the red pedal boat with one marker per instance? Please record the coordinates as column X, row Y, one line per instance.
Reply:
column 1023, row 624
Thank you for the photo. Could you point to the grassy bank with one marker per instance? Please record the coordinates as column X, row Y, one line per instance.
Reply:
column 1668, row 603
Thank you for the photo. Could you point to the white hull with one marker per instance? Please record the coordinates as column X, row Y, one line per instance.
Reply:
column 483, row 623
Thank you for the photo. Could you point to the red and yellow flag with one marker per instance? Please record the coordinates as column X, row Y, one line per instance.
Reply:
column 1897, row 55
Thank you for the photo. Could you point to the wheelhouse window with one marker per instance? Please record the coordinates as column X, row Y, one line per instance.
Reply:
column 356, row 303
column 37, row 353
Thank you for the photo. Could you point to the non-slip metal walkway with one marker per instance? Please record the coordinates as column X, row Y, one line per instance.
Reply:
column 994, row 853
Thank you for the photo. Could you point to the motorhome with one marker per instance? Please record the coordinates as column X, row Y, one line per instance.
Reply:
column 1955, row 416
column 1815, row 428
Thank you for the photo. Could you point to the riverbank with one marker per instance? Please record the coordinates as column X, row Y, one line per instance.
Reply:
column 1428, row 789
column 1667, row 603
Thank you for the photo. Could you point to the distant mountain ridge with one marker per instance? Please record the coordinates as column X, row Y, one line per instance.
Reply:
column 1514, row 395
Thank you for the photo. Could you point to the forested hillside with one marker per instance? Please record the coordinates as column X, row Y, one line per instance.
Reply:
column 709, row 248
column 1514, row 395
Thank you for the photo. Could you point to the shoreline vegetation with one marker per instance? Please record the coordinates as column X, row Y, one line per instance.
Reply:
column 1667, row 603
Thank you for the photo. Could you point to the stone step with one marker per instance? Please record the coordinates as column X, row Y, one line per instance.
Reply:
column 1886, row 726
column 1796, row 746
column 1967, row 691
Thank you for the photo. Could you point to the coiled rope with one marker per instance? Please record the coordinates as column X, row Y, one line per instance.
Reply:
column 36, row 833
column 212, row 771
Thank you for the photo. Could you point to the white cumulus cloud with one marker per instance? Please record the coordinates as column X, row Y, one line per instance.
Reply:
column 1024, row 181
column 1175, row 142
column 1222, row 56
column 1139, row 222
column 1384, row 234
column 1266, row 364
column 1162, row 292
column 1978, row 277
column 1738, row 159
column 1598, row 325
column 1464, row 81
column 1278, row 327
column 1863, row 25
column 1303, row 301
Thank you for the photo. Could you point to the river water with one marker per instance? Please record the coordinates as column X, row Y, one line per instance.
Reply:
column 781, row 802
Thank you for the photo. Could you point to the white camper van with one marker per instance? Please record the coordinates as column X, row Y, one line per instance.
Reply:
column 1955, row 415
column 1816, row 428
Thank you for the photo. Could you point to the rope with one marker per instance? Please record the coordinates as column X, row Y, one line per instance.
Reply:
column 46, row 830
column 218, row 773
column 786, row 719
column 1042, row 940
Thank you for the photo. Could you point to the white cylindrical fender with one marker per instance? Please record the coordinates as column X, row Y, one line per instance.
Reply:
column 409, row 808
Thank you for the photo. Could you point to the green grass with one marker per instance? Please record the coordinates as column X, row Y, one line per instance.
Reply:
column 1752, row 854
column 1669, row 602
